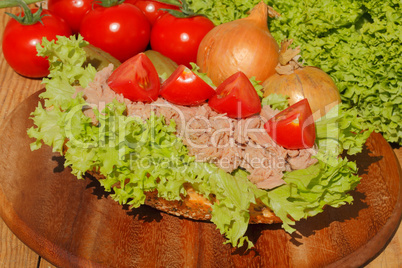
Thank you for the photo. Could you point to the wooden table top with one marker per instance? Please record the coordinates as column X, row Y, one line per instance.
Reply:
column 13, row 253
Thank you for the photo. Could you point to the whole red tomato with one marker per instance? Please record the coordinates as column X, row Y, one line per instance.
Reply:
column 179, row 38
column 19, row 43
column 152, row 9
column 72, row 11
column 121, row 30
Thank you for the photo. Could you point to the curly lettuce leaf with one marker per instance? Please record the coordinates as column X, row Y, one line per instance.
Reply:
column 48, row 130
column 307, row 191
column 235, row 195
column 341, row 129
column 222, row 11
column 276, row 101
column 66, row 57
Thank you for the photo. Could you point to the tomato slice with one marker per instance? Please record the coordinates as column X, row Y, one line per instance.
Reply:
column 293, row 128
column 136, row 79
column 236, row 97
column 184, row 87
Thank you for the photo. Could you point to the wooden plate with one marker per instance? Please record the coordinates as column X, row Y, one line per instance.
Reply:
column 74, row 223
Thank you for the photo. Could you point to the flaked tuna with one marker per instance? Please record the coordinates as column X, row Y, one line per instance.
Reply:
column 212, row 137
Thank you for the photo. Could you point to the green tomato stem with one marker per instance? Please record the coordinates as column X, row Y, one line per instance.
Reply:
column 13, row 3
column 28, row 18
column 185, row 10
column 172, row 2
column 109, row 3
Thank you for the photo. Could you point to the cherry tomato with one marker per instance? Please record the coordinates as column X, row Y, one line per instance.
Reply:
column 236, row 97
column 184, row 87
column 122, row 30
column 179, row 38
column 19, row 43
column 152, row 9
column 136, row 79
column 72, row 11
column 293, row 128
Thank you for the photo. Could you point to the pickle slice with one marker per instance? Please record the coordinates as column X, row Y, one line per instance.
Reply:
column 99, row 58
column 163, row 65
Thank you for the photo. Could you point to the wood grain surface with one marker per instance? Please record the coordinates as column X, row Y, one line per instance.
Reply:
column 147, row 223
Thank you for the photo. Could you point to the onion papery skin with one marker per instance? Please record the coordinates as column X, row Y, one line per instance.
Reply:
column 307, row 82
column 244, row 45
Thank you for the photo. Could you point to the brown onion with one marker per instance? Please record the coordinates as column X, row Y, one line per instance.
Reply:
column 241, row 45
column 299, row 82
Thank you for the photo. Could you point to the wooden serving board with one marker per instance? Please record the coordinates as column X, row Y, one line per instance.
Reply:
column 74, row 223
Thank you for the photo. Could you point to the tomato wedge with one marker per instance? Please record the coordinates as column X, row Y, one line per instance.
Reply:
column 236, row 97
column 293, row 128
column 136, row 79
column 184, row 87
